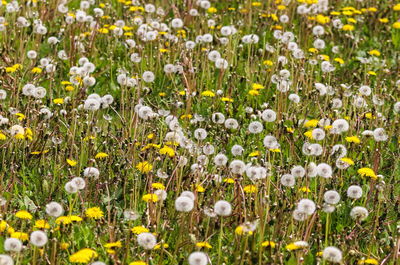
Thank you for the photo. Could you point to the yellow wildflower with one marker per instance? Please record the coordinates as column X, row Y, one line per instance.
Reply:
column 144, row 167
column 94, row 213
column 203, row 245
column 58, row 101
column 250, row 189
column 139, row 262
column 311, row 123
column 268, row 243
column 36, row 70
column 347, row 160
column 254, row 92
column 23, row 215
column 353, row 139
column 368, row 261
column 365, row 171
column 71, row 162
column 167, row 150
column 150, row 197
column 255, row 153
column 208, row 93
column 240, row 230
column 348, row 27
column 158, row 186
column 42, row 224
column 256, row 86
column 83, row 256
column 20, row 235
column 374, row 52
column 101, row 155
column 139, row 229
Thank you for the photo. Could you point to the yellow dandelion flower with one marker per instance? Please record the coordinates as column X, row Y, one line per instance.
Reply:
column 58, row 101
column 365, row 171
column 353, row 139
column 64, row 246
column 158, row 246
column 94, row 213
column 150, row 197
column 5, row 227
column 311, row 123
column 290, row 130
column 295, row 246
column 254, row 92
column 139, row 229
column 339, row 60
column 71, row 162
column 138, row 262
column 241, row 230
column 23, row 215
column 20, row 235
column 304, row 189
column 348, row 27
column 368, row 261
column 20, row 116
column 375, row 52
column 347, row 160
column 268, row 63
column 226, row 99
column 308, row 134
column 384, row 20
column 321, row 19
column 250, row 189
column 158, row 186
column 229, row 180
column 36, row 70
column 203, row 245
column 208, row 93
column 200, row 188
column 83, row 256
column 144, row 167
column 103, row 30
column 255, row 153
column 396, row 25
column 117, row 244
column 277, row 150
column 212, row 10
column 256, row 86
column 101, row 155
column 167, row 150
column 268, row 243
column 42, row 224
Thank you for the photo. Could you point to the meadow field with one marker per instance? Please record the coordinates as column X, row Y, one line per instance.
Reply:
column 200, row 132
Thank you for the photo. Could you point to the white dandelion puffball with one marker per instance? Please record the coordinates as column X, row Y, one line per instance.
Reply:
column 184, row 204
column 6, row 260
column 147, row 240
column 54, row 209
column 198, row 258
column 354, row 192
column 12, row 245
column 359, row 212
column 307, row 206
column 332, row 254
column 223, row 208
column 331, row 197
column 38, row 238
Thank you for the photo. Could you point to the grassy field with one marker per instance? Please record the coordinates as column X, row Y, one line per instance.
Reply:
column 199, row 132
